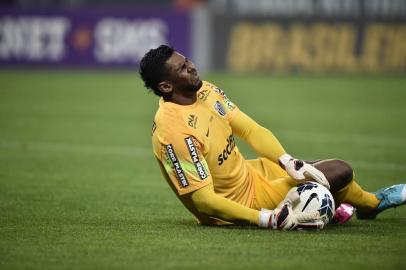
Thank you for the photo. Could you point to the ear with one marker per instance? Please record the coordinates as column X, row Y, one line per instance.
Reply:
column 165, row 87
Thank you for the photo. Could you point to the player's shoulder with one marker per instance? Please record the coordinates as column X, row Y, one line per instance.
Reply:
column 169, row 119
column 171, row 122
column 208, row 90
column 210, row 93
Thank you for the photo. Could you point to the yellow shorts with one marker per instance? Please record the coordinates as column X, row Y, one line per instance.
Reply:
column 272, row 183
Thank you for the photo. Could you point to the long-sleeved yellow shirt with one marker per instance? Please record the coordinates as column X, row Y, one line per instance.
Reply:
column 195, row 147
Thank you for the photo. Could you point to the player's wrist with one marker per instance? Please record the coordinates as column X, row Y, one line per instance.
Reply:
column 264, row 218
column 284, row 159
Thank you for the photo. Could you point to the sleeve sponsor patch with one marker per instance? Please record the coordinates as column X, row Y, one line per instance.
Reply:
column 180, row 174
column 201, row 171
column 227, row 102
column 219, row 108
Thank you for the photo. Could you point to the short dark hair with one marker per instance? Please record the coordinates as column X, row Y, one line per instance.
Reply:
column 153, row 69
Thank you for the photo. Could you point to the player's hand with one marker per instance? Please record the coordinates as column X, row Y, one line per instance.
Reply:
column 283, row 217
column 300, row 170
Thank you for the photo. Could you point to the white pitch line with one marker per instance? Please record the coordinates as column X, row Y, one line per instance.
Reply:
column 136, row 152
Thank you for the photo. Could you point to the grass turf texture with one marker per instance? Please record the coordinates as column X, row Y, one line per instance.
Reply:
column 80, row 189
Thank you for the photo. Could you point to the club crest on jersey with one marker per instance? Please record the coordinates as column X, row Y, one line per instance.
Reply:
column 180, row 174
column 201, row 171
column 219, row 108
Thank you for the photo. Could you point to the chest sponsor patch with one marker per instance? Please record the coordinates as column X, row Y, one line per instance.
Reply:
column 180, row 174
column 219, row 108
column 191, row 121
column 228, row 149
column 201, row 171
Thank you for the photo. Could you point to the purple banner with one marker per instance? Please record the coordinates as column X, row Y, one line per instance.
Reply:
column 94, row 37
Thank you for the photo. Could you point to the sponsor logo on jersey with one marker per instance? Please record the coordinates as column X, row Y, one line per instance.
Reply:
column 201, row 171
column 202, row 95
column 228, row 102
column 191, row 121
column 219, row 108
column 180, row 174
column 228, row 149
column 218, row 90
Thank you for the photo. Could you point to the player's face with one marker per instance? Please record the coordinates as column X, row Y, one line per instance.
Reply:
column 183, row 73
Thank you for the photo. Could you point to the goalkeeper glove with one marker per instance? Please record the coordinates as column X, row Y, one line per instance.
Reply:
column 283, row 217
column 300, row 170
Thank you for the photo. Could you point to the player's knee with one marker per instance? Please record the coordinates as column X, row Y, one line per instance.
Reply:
column 338, row 172
column 345, row 174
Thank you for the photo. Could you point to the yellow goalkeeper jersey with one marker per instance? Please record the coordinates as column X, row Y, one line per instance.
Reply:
column 195, row 147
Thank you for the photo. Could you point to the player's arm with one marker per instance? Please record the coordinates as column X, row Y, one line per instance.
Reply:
column 187, row 172
column 184, row 165
column 259, row 138
column 281, row 218
column 262, row 140
column 206, row 201
column 267, row 145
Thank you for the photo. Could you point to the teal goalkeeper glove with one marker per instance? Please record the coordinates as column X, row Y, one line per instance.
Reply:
column 283, row 217
column 302, row 171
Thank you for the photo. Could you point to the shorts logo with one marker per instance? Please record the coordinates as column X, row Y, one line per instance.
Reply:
column 219, row 108
column 191, row 121
column 195, row 158
column 180, row 174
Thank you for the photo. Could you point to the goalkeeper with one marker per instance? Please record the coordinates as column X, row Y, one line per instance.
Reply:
column 193, row 142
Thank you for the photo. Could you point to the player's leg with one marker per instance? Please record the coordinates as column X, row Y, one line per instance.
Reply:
column 345, row 189
column 343, row 186
column 269, row 191
column 338, row 172
column 268, row 169
column 273, row 182
column 389, row 197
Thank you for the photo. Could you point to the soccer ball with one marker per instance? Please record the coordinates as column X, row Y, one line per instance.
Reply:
column 315, row 197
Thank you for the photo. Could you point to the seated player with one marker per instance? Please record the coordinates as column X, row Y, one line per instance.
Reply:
column 193, row 141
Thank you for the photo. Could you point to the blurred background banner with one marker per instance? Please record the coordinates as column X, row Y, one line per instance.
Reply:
column 310, row 35
column 114, row 37
column 336, row 36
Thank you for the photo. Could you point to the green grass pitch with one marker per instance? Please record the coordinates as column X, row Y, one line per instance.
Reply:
column 80, row 189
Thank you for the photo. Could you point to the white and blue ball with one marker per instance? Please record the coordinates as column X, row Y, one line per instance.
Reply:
column 315, row 197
